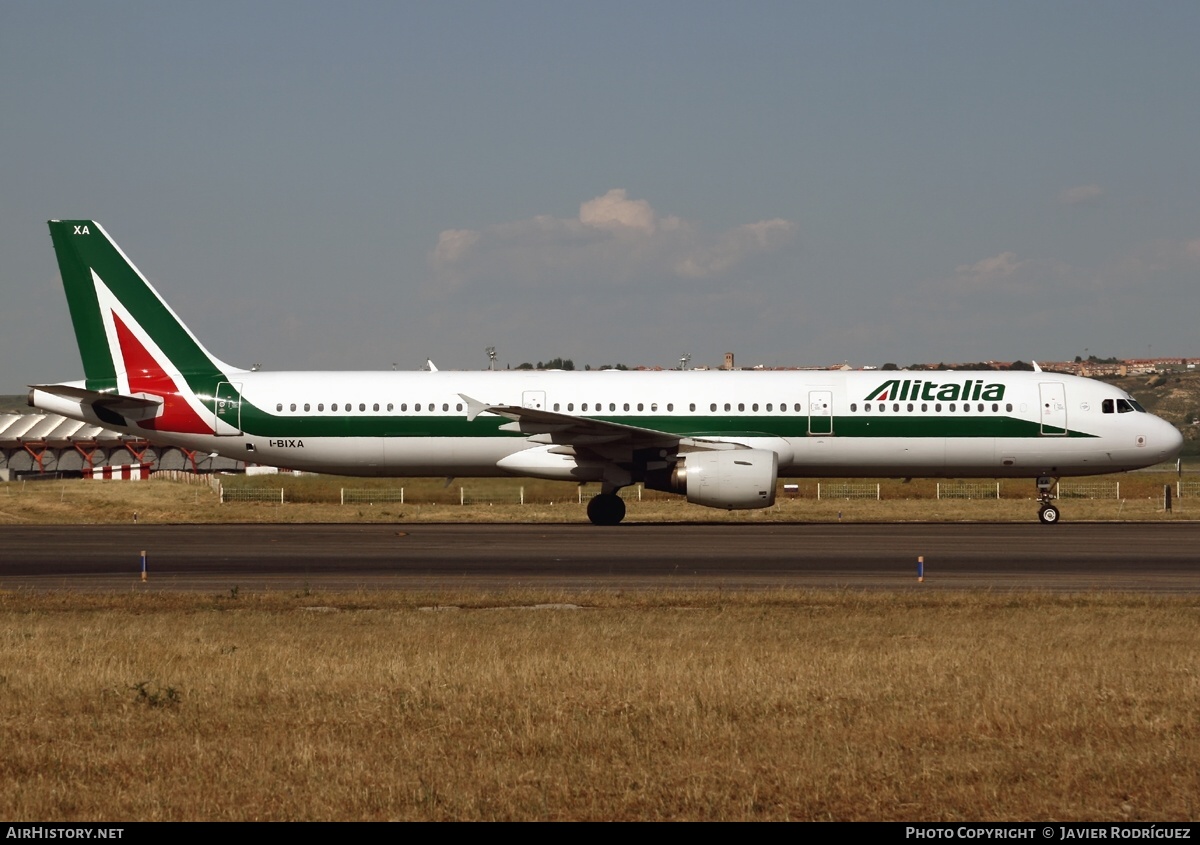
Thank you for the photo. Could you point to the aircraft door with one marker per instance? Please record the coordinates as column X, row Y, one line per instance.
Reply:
column 1054, row 407
column 228, row 409
column 820, row 412
column 535, row 399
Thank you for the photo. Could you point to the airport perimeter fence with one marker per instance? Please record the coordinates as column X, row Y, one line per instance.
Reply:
column 182, row 476
column 396, row 495
column 851, row 490
column 1088, row 490
column 1190, row 489
column 968, row 490
column 252, row 494
column 493, row 494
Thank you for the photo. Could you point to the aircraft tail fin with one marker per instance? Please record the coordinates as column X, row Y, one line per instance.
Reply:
column 130, row 340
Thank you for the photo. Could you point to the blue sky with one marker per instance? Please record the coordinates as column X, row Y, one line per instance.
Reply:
column 352, row 185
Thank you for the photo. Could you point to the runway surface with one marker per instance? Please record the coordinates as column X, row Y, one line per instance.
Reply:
column 1142, row 557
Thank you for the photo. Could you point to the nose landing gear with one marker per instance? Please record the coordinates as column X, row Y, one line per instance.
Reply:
column 1047, row 512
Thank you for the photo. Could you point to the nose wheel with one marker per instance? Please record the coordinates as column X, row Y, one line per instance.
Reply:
column 1047, row 511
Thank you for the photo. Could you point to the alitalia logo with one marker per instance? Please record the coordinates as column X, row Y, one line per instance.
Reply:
column 905, row 389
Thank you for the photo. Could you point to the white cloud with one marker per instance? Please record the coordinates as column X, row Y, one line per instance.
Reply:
column 614, row 239
column 990, row 269
column 453, row 244
column 733, row 246
column 1080, row 194
column 616, row 212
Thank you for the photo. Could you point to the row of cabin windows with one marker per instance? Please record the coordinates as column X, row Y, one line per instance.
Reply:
column 598, row 407
column 362, row 406
column 1122, row 406
column 937, row 407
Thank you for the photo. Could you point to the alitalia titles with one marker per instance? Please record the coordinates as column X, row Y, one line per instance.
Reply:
column 933, row 391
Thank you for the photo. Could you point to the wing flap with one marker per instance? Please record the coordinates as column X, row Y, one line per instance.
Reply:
column 553, row 427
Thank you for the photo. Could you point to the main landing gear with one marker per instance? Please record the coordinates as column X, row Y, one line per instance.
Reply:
column 606, row 509
column 1047, row 512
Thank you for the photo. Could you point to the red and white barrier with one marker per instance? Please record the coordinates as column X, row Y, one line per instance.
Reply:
column 124, row 472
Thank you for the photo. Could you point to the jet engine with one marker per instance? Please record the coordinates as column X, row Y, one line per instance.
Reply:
column 735, row 479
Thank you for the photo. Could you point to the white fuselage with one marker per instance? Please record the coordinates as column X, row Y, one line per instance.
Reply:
column 819, row 423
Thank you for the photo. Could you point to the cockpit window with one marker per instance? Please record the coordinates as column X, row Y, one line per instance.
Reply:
column 1121, row 406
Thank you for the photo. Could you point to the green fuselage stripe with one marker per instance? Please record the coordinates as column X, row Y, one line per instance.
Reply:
column 255, row 422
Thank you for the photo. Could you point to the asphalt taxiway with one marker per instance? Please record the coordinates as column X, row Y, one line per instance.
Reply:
column 1140, row 557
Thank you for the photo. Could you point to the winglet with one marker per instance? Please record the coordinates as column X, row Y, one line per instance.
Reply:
column 474, row 407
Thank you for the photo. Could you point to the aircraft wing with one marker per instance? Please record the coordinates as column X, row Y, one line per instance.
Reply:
column 588, row 433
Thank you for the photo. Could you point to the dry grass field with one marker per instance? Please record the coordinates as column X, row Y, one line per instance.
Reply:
column 606, row 705
column 318, row 499
column 791, row 705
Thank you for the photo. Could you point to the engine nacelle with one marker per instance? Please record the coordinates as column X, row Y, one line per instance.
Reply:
column 734, row 479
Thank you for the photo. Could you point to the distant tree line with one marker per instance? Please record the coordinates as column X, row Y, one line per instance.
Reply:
column 565, row 364
column 978, row 365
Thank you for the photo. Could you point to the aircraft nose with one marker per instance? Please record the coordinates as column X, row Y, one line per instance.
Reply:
column 1167, row 438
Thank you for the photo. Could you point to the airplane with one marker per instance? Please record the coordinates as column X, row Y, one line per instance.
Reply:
column 722, row 439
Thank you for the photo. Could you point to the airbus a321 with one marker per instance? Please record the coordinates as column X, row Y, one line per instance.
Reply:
column 722, row 439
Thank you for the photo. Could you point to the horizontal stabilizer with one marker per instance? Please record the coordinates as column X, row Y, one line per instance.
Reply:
column 131, row 407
